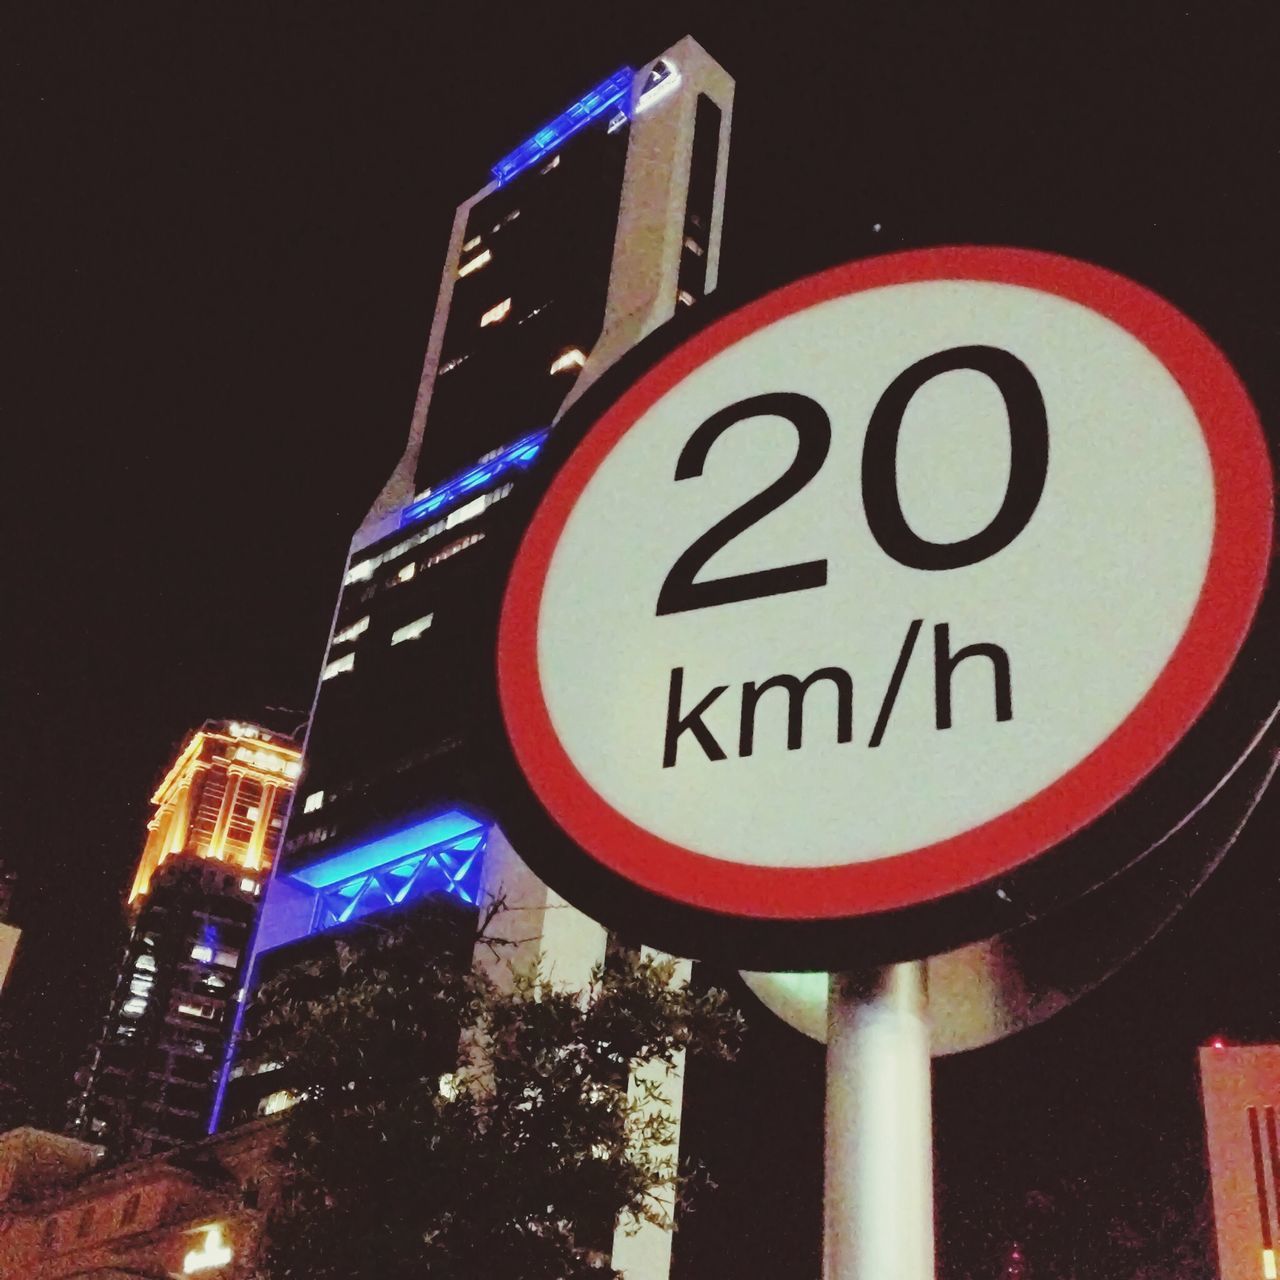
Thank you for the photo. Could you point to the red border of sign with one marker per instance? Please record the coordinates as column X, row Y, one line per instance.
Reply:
column 1232, row 588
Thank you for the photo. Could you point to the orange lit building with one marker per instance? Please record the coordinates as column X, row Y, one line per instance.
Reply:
column 153, row 1075
column 224, row 797
column 1241, row 1089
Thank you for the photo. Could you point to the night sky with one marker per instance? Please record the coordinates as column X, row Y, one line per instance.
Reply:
column 223, row 235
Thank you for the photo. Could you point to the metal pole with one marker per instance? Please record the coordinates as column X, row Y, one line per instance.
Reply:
column 879, row 1133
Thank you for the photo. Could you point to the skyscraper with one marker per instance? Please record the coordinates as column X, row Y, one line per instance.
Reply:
column 219, row 813
column 588, row 236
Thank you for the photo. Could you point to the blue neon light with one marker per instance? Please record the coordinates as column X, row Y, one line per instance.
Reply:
column 345, row 865
column 613, row 92
column 451, row 870
column 515, row 456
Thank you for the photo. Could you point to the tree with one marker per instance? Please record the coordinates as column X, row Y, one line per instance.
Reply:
column 398, row 1162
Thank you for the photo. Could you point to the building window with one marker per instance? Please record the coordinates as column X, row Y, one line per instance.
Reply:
column 496, row 313
column 196, row 1010
column 405, row 572
column 571, row 359
column 360, row 572
column 226, row 958
column 274, row 1103
column 553, row 163
column 134, row 1007
column 663, row 77
column 253, row 813
column 202, row 952
column 313, row 802
column 145, row 962
column 481, row 259
column 338, row 666
column 691, row 277
column 357, row 628
column 129, row 1214
column 471, row 244
column 454, row 547
column 411, row 630
column 249, row 886
column 685, row 298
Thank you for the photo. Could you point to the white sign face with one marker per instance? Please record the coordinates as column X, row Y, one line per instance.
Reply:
column 884, row 585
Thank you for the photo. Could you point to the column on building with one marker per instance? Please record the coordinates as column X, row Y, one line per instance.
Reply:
column 230, row 794
column 253, row 854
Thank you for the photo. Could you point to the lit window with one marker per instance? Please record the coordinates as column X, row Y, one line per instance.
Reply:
column 133, row 1007
column 292, row 769
column 280, row 1100
column 249, row 886
column 571, row 359
column 693, row 246
column 481, row 259
column 202, row 953
column 338, row 666
column 454, row 547
column 662, row 79
column 617, row 122
column 553, row 163
column 214, row 1252
column 214, row 981
column 496, row 313
column 1269, row 1264
column 512, row 216
column 196, row 1010
column 468, row 511
column 685, row 298
column 362, row 571
column 252, row 813
column 313, row 802
column 411, row 630
column 406, row 572
column 357, row 628
column 228, row 959
column 141, row 986
column 145, row 962
column 471, row 244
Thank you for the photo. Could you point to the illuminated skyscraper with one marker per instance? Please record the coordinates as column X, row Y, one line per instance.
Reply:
column 219, row 814
column 587, row 237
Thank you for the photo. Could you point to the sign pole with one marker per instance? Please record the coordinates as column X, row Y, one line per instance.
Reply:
column 878, row 1202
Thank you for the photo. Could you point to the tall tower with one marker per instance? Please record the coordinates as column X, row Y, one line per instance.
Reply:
column 588, row 236
column 219, row 813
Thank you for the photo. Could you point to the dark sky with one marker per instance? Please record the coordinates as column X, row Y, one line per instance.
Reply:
column 223, row 229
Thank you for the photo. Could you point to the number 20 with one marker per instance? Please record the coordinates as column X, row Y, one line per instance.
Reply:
column 1028, row 466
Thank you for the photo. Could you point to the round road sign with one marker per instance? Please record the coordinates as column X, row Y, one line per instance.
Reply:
column 841, row 614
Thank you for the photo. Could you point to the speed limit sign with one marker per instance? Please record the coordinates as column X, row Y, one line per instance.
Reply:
column 862, row 621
